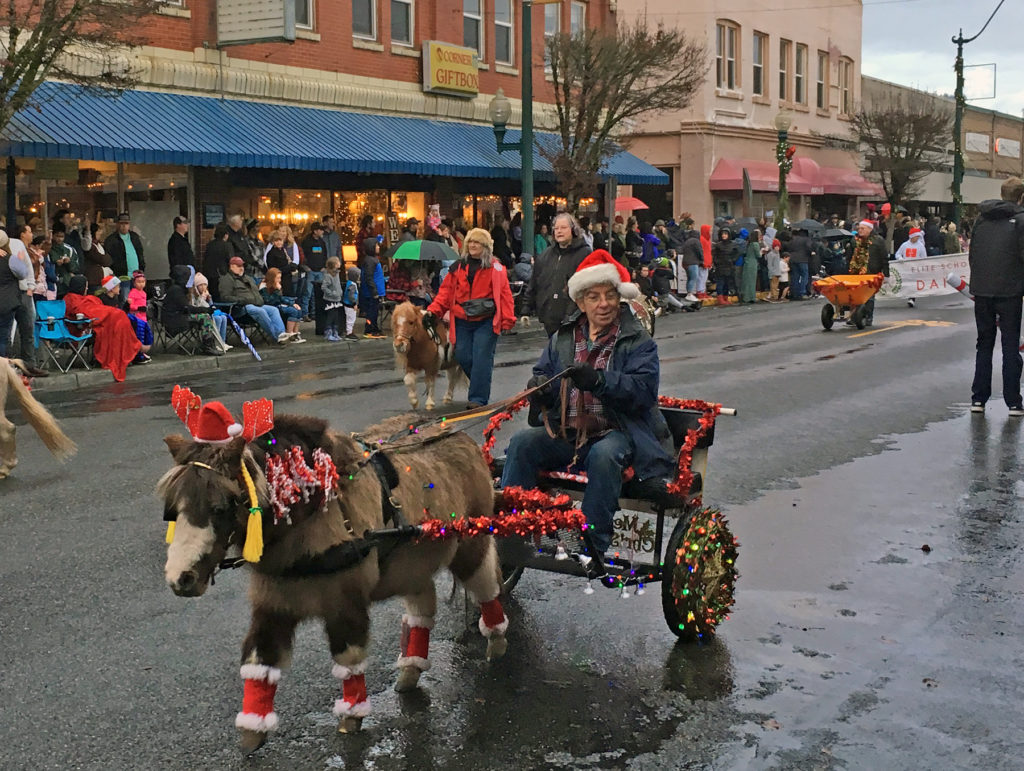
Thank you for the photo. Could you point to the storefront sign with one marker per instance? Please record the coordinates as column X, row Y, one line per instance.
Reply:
column 925, row 276
column 393, row 231
column 57, row 169
column 449, row 69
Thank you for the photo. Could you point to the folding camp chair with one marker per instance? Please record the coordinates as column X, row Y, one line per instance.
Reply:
column 244, row 320
column 54, row 335
column 188, row 341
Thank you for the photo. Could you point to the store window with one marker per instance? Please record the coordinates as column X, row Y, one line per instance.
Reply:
column 401, row 22
column 726, row 55
column 504, row 47
column 552, row 26
column 800, row 75
column 472, row 26
column 758, row 53
column 846, row 86
column 364, row 19
column 304, row 14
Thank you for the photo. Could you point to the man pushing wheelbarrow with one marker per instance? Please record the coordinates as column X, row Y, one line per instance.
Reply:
column 855, row 292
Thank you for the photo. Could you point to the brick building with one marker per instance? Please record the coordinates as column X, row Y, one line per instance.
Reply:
column 359, row 107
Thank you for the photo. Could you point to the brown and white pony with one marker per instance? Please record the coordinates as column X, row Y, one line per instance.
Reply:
column 416, row 351
column 311, row 566
column 35, row 413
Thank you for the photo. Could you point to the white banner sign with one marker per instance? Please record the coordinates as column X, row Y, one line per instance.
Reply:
column 925, row 276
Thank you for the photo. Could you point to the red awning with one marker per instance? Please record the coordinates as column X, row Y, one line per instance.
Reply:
column 806, row 178
column 764, row 177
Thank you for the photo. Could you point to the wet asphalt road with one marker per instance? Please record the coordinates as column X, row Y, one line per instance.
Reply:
column 849, row 647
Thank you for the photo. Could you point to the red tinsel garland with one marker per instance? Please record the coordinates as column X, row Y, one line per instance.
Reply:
column 680, row 486
column 290, row 478
column 523, row 513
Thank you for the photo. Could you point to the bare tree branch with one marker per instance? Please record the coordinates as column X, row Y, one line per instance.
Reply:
column 78, row 41
column 903, row 137
column 604, row 81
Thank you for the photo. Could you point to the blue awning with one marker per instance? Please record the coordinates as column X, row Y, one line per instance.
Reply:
column 183, row 130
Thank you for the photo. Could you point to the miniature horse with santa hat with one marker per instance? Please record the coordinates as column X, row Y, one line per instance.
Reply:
column 301, row 499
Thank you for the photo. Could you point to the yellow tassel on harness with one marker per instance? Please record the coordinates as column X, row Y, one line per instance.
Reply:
column 253, row 548
column 169, row 538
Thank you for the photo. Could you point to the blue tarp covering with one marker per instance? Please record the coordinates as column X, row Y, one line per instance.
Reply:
column 184, row 130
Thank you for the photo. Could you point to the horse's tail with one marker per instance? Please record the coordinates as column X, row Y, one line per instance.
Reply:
column 39, row 418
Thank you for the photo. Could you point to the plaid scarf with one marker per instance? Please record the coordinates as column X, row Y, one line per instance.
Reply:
column 584, row 411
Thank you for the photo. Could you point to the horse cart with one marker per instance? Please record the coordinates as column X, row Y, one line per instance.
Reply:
column 663, row 533
column 847, row 293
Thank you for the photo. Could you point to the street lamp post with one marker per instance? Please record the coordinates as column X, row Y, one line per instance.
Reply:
column 784, row 158
column 500, row 110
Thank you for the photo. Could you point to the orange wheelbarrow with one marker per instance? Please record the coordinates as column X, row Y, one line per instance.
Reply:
column 847, row 292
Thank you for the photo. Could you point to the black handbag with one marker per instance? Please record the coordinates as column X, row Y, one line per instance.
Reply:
column 481, row 307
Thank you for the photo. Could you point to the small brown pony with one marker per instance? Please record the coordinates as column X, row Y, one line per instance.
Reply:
column 316, row 564
column 416, row 351
column 35, row 413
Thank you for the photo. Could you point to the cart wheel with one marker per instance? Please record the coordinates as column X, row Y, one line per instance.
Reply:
column 699, row 575
column 858, row 317
column 509, row 578
column 828, row 315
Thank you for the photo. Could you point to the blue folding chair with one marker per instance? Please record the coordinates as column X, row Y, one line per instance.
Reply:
column 54, row 335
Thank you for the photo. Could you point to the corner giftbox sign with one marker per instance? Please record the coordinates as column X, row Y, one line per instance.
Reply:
column 449, row 69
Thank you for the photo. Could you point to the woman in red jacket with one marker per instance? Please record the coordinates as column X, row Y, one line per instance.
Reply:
column 476, row 296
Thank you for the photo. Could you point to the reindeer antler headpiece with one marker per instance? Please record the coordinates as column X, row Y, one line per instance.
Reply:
column 213, row 423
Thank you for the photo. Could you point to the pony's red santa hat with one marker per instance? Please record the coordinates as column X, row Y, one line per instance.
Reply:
column 601, row 268
column 215, row 424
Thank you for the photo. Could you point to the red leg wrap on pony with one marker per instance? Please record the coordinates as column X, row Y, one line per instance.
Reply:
column 492, row 619
column 260, row 686
column 415, row 642
column 353, row 701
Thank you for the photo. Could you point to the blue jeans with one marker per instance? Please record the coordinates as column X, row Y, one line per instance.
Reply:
column 604, row 460
column 268, row 317
column 220, row 321
column 306, row 298
column 475, row 342
column 289, row 312
column 692, row 274
column 799, row 280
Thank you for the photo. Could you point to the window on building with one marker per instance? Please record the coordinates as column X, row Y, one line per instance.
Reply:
column 846, row 86
column 504, row 47
column 552, row 26
column 304, row 14
column 821, row 96
column 800, row 75
column 401, row 22
column 758, row 53
column 473, row 26
column 785, row 52
column 726, row 54
column 364, row 18
column 577, row 17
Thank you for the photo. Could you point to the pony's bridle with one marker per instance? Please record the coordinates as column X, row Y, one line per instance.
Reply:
column 231, row 562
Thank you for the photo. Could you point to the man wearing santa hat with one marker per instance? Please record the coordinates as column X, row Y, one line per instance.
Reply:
column 602, row 417
column 867, row 255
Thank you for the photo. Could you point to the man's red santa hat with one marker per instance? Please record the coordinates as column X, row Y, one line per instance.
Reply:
column 215, row 424
column 601, row 268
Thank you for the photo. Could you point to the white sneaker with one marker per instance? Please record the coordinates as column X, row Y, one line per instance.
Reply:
column 911, row 302
column 298, row 339
column 691, row 298
column 284, row 337
column 658, row 311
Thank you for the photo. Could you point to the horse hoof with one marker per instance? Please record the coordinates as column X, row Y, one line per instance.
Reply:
column 408, row 679
column 350, row 725
column 251, row 740
column 496, row 647
column 449, row 399
column 430, row 405
column 414, row 403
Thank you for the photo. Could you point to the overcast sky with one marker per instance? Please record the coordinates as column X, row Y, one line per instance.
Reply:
column 908, row 42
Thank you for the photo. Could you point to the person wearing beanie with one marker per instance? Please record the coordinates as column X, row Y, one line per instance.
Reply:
column 138, row 300
column 603, row 416
column 545, row 294
column 476, row 296
column 372, row 287
column 213, row 322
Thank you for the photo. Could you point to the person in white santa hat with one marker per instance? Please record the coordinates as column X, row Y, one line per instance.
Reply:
column 912, row 249
column 603, row 415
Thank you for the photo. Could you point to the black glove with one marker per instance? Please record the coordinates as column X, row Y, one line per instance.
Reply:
column 544, row 394
column 429, row 320
column 585, row 377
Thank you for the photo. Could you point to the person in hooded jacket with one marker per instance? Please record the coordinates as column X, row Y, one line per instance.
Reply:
column 723, row 255
column 372, row 287
column 801, row 251
column 546, row 294
column 751, row 264
column 705, row 267
column 179, row 310
column 690, row 259
column 996, row 258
